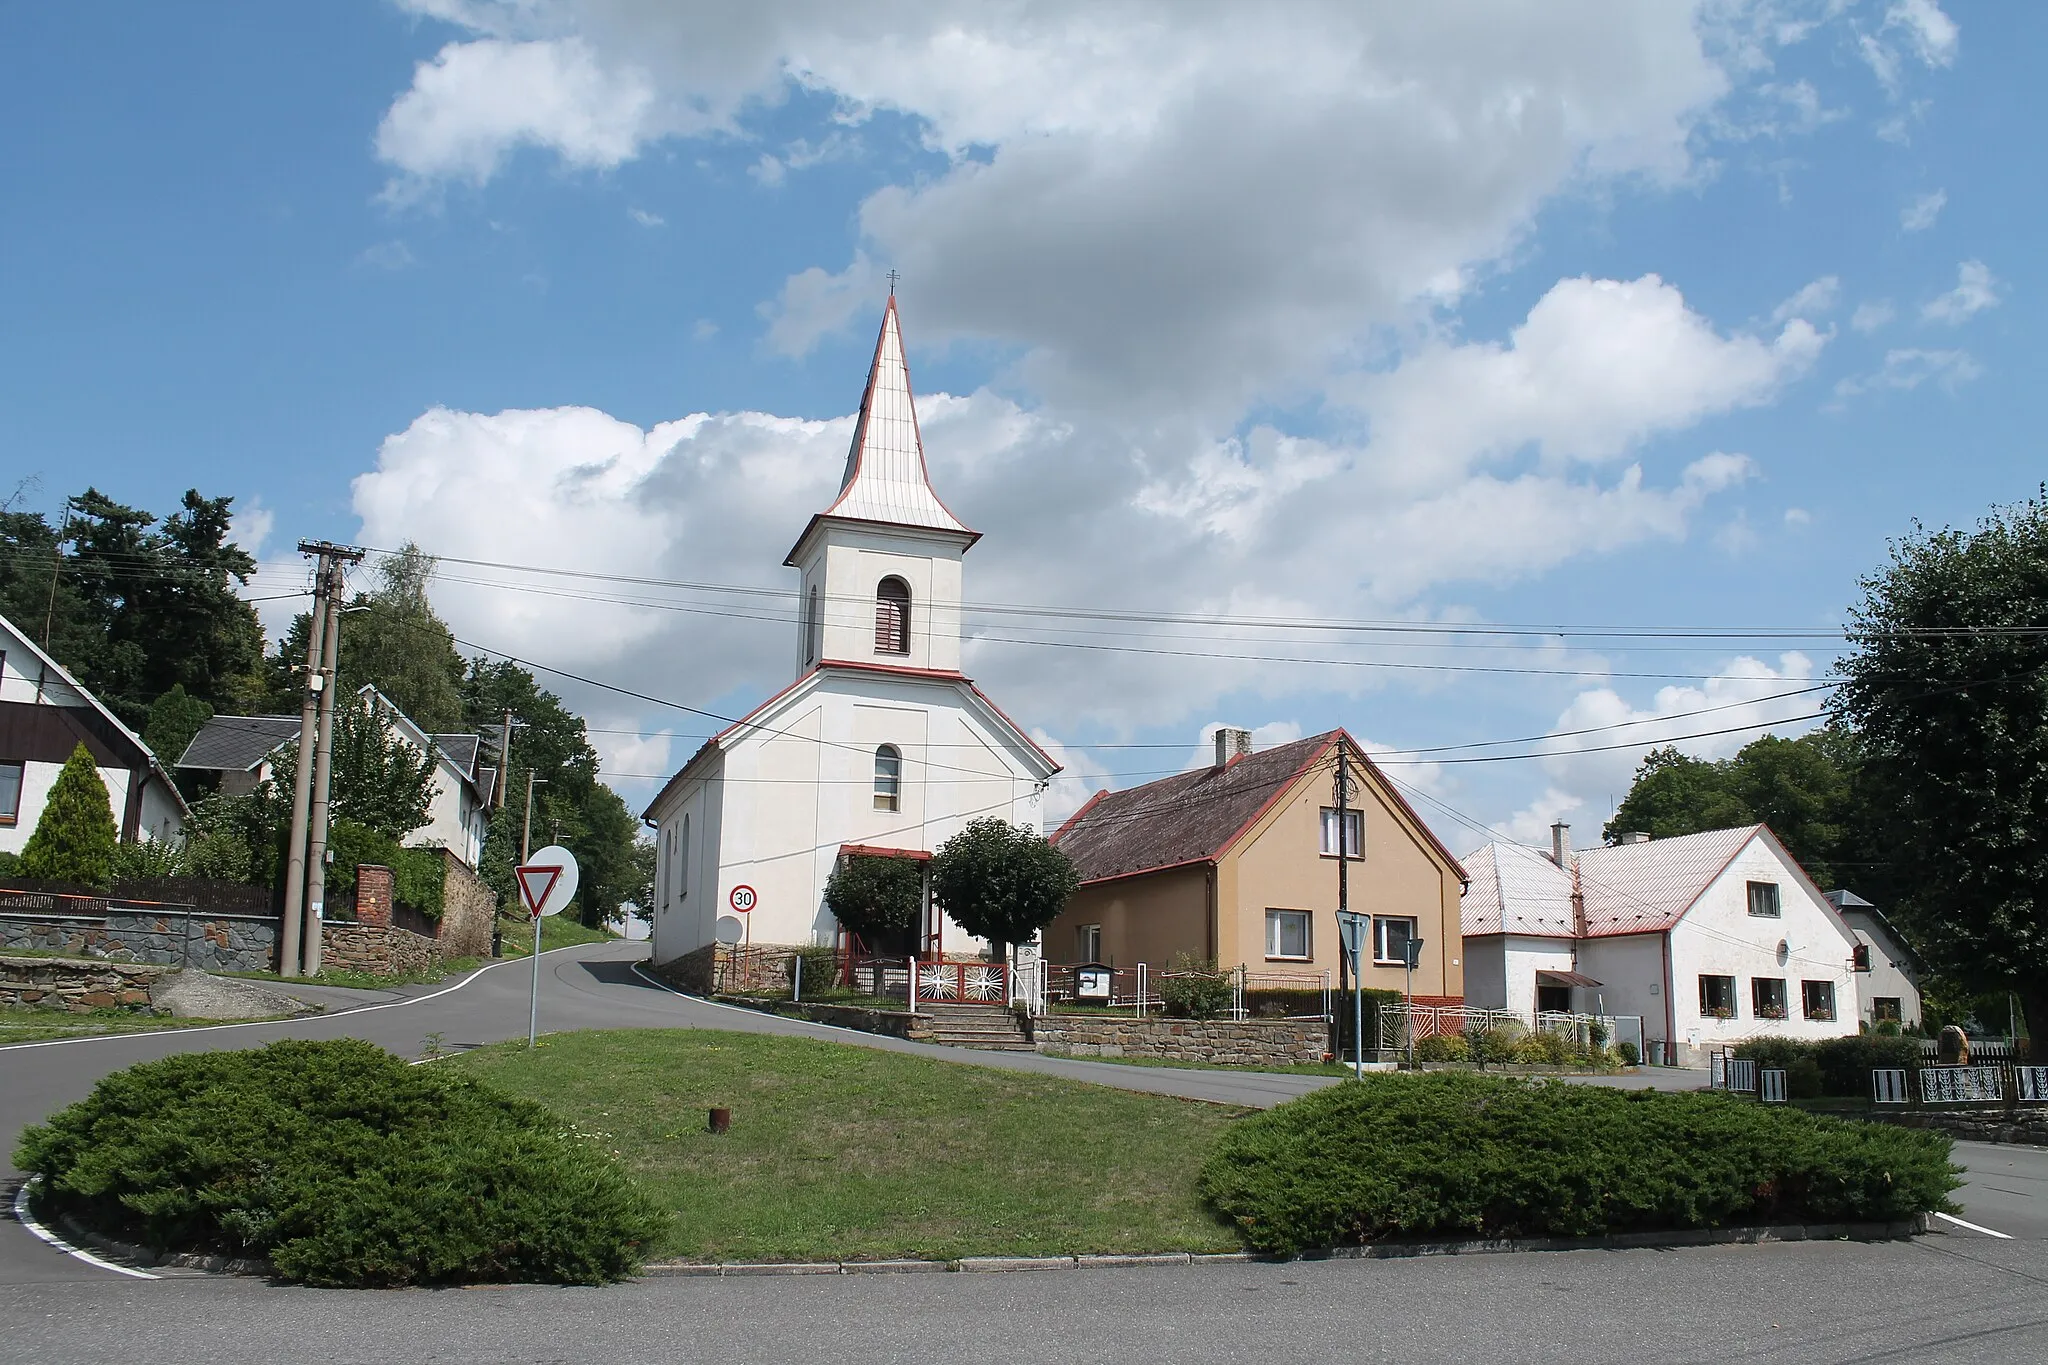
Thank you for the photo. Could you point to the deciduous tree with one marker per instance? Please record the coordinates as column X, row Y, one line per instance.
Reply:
column 1000, row 882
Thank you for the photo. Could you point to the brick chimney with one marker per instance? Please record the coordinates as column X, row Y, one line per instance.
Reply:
column 374, row 886
column 1231, row 744
column 1561, row 844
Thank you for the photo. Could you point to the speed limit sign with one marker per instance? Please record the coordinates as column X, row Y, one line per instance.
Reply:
column 742, row 898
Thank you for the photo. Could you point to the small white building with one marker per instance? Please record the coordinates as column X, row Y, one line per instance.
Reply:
column 243, row 751
column 881, row 745
column 45, row 714
column 1712, row 938
column 1890, row 969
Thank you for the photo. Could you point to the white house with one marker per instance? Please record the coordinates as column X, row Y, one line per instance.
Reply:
column 1712, row 938
column 880, row 746
column 243, row 750
column 45, row 714
column 1890, row 969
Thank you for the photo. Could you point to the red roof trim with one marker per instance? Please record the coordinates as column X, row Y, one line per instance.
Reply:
column 1280, row 794
column 1205, row 860
column 1071, row 820
column 1387, row 785
column 915, row 855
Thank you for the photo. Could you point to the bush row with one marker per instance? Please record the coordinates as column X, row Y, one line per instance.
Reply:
column 1832, row 1066
column 341, row 1165
column 1543, row 1048
column 1457, row 1154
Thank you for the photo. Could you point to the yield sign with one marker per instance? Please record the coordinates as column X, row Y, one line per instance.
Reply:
column 534, row 885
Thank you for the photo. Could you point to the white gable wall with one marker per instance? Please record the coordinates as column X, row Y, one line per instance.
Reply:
column 847, row 563
column 1718, row 936
column 1887, row 977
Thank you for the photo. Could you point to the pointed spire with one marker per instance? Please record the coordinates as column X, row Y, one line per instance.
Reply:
column 885, row 478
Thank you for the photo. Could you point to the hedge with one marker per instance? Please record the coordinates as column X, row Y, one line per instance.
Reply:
column 1459, row 1154
column 1844, row 1063
column 341, row 1165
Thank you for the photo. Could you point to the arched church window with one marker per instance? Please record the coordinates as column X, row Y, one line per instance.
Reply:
column 682, row 862
column 814, row 626
column 892, row 617
column 888, row 778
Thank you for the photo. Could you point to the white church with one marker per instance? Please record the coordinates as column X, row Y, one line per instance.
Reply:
column 881, row 746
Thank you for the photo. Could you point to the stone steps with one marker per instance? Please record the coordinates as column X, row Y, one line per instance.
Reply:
column 990, row 1028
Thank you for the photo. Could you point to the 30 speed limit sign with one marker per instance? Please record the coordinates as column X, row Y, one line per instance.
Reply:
column 741, row 899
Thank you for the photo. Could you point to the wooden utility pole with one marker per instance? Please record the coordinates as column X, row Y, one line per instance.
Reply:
column 1344, row 877
column 526, row 830
column 302, row 783
column 504, row 759
column 305, row 902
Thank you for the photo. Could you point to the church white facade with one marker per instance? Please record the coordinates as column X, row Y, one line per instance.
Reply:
column 880, row 745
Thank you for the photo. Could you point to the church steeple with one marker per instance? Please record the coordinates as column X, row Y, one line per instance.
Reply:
column 881, row 564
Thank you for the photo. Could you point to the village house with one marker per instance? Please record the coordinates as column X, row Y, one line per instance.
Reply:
column 241, row 752
column 1889, row 968
column 1710, row 938
column 880, row 747
column 45, row 714
column 1237, row 863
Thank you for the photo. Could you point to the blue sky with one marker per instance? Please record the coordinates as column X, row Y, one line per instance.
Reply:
column 1585, row 314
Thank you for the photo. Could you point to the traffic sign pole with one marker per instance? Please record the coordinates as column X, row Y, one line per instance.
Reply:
column 546, row 885
column 533, row 1001
column 1351, row 929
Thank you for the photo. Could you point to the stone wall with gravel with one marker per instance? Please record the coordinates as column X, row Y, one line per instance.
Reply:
column 1249, row 1042
column 166, row 934
column 77, row 987
column 378, row 949
column 2027, row 1124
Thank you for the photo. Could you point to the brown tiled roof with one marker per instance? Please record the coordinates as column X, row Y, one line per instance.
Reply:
column 1186, row 818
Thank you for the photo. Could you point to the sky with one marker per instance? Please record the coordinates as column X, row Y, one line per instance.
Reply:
column 1235, row 329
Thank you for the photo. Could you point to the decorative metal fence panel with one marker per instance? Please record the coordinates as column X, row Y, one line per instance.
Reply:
column 1742, row 1075
column 1717, row 1070
column 2032, row 1083
column 966, row 982
column 1771, row 1087
column 1888, row 1085
column 1961, row 1084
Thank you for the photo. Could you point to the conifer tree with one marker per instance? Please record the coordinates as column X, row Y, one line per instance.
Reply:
column 75, row 838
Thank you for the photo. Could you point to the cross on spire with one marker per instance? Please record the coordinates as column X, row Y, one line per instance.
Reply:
column 893, row 277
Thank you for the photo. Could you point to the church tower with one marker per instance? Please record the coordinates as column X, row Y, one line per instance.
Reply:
column 881, row 566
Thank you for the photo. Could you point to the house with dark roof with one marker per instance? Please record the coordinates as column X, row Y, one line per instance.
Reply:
column 240, row 752
column 45, row 714
column 1237, row 862
column 1711, row 938
column 1888, row 967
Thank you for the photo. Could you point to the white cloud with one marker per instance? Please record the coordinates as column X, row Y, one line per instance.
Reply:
column 1976, row 290
column 1908, row 368
column 704, row 329
column 391, row 255
column 1933, row 34
column 1919, row 215
column 645, row 218
column 1868, row 317
column 250, row 525
column 1798, row 516
column 1811, row 301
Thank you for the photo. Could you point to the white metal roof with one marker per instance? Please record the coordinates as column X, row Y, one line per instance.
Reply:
column 886, row 479
column 1627, row 888
column 1516, row 890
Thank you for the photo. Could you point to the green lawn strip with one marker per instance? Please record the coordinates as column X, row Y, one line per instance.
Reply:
column 516, row 935
column 367, row 981
column 36, row 1026
column 843, row 1153
column 1278, row 1069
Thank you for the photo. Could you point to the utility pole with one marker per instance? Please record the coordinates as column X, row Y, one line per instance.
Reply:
column 526, row 830
column 333, row 558
column 504, row 759
column 302, row 783
column 1344, row 884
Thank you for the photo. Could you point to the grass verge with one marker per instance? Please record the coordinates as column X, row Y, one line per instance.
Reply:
column 39, row 1026
column 841, row 1152
column 516, row 935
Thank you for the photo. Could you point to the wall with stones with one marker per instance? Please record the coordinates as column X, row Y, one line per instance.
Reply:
column 76, row 987
column 379, row 950
column 691, row 972
column 2028, row 1124
column 207, row 939
column 469, row 908
column 1249, row 1042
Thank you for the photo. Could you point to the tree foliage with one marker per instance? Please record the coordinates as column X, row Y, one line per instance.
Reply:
column 75, row 838
column 376, row 778
column 174, row 718
column 1947, row 689
column 876, row 896
column 1000, row 882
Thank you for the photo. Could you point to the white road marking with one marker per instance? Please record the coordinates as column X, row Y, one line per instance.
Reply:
column 27, row 1220
column 302, row 1019
column 1988, row 1232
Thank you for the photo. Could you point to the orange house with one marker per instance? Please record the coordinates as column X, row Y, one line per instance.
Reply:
column 1238, row 863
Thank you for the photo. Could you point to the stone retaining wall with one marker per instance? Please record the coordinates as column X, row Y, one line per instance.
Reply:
column 77, row 987
column 891, row 1023
column 691, row 972
column 469, row 910
column 170, row 935
column 1250, row 1042
column 2029, row 1125
column 377, row 949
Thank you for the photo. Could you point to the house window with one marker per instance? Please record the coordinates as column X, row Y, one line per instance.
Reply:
column 1287, row 934
column 1354, row 832
column 1819, row 997
column 888, row 778
column 10, row 793
column 1553, row 999
column 1717, row 997
column 1088, row 942
column 1763, row 899
column 814, row 626
column 1885, row 1009
column 892, row 617
column 1859, row 957
column 1390, row 938
column 1767, row 996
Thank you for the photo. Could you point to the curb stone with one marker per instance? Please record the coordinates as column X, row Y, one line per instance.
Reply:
column 990, row 1263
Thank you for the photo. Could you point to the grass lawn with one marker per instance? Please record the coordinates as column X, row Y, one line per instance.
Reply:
column 36, row 1026
column 841, row 1152
column 555, row 932
column 1286, row 1068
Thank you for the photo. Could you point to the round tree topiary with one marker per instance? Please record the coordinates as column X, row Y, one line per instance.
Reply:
column 875, row 896
column 1000, row 882
column 74, row 839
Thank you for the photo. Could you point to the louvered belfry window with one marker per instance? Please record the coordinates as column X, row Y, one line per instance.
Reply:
column 892, row 617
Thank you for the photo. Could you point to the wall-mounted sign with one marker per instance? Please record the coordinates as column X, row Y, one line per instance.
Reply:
column 1093, row 981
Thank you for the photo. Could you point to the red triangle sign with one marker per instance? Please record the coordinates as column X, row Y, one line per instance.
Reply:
column 534, row 885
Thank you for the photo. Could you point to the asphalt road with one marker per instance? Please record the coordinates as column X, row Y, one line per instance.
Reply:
column 1959, row 1296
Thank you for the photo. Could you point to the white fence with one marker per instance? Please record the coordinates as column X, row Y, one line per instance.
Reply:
column 1402, row 1023
column 1961, row 1084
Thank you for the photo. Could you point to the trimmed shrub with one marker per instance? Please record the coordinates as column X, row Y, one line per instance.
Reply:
column 1442, row 1047
column 1628, row 1052
column 1802, row 1079
column 821, row 970
column 74, row 839
column 1194, row 989
column 1449, row 1153
column 1492, row 1042
column 343, row 1166
column 1845, row 1064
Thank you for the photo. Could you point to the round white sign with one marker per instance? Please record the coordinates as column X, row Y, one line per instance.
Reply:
column 547, row 881
column 728, row 930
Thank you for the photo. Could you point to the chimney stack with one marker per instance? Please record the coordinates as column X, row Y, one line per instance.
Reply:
column 1561, row 844
column 1633, row 837
column 1231, row 744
